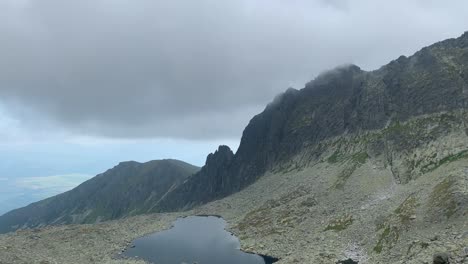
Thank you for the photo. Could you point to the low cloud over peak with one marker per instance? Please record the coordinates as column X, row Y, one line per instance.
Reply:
column 191, row 69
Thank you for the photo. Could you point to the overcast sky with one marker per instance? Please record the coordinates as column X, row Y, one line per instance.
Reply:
column 180, row 77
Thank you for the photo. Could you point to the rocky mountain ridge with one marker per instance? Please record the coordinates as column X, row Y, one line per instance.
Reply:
column 357, row 167
column 396, row 115
column 293, row 130
column 129, row 188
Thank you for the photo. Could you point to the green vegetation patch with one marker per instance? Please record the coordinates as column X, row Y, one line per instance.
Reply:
column 416, row 132
column 290, row 218
column 442, row 198
column 297, row 193
column 389, row 237
column 276, row 215
column 256, row 219
column 414, row 246
column 397, row 127
column 344, row 176
column 406, row 209
column 446, row 119
column 360, row 157
column 335, row 157
column 451, row 158
column 394, row 224
column 341, row 223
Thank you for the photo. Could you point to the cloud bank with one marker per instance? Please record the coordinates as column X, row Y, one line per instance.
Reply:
column 191, row 69
column 15, row 193
column 55, row 184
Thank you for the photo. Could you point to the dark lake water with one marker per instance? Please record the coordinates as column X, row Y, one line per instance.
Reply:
column 195, row 239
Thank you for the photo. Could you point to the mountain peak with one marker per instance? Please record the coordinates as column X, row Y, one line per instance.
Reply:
column 340, row 70
column 129, row 188
column 223, row 149
column 128, row 163
column 222, row 155
column 335, row 77
column 293, row 130
column 343, row 101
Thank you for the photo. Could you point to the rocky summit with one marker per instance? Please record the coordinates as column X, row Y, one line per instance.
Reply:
column 356, row 167
column 298, row 127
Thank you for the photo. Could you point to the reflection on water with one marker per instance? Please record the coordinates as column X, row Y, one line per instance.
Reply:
column 195, row 239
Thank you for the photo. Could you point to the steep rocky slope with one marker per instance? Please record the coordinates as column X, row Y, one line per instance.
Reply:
column 127, row 189
column 294, row 131
column 291, row 131
column 368, row 167
column 300, row 216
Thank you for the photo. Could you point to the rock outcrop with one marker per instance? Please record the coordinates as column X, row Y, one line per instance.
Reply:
column 293, row 130
column 210, row 182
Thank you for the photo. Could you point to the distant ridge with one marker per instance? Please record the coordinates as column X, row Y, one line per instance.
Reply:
column 129, row 188
column 405, row 105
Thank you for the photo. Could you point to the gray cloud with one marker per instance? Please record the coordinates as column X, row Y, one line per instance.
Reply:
column 192, row 69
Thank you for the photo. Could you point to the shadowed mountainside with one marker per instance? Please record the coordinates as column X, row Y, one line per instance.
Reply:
column 290, row 132
column 392, row 114
column 129, row 188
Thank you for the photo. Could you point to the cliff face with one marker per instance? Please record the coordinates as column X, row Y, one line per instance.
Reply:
column 129, row 188
column 362, row 167
column 393, row 114
column 210, row 182
column 344, row 101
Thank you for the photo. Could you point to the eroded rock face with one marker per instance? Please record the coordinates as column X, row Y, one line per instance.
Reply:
column 347, row 115
column 441, row 258
column 347, row 261
column 348, row 101
column 209, row 183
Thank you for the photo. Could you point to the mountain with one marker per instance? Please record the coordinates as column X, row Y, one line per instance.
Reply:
column 127, row 189
column 294, row 130
column 356, row 167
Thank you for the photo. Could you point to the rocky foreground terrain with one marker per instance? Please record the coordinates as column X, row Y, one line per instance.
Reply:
column 336, row 209
column 357, row 167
